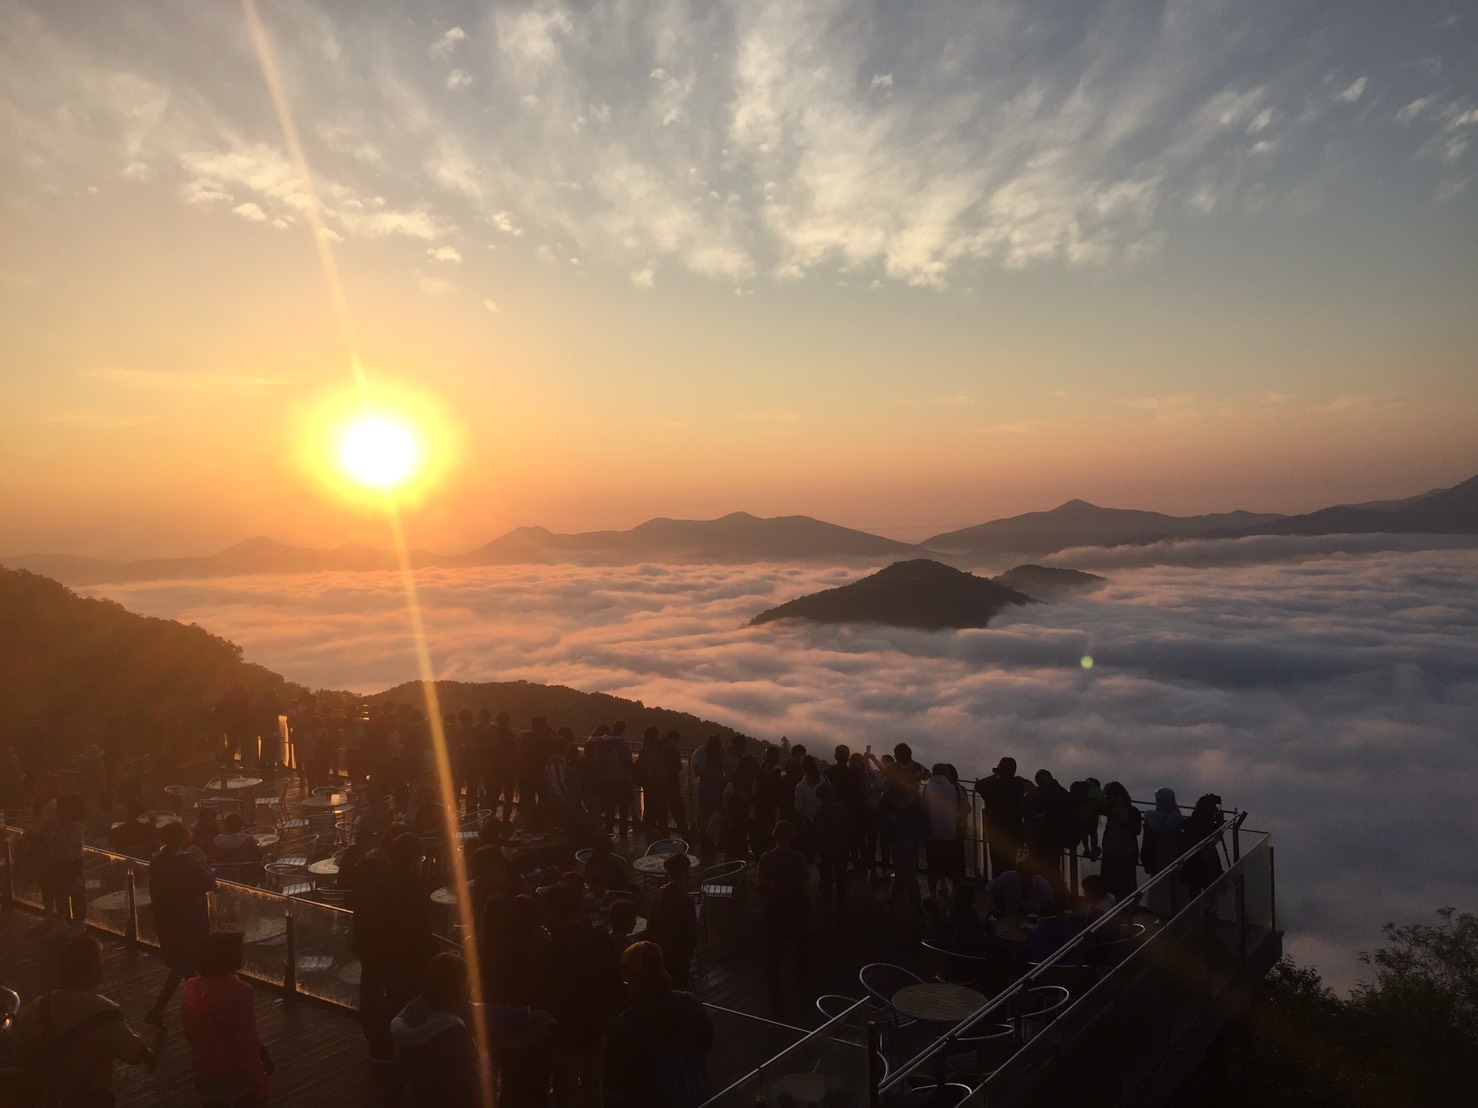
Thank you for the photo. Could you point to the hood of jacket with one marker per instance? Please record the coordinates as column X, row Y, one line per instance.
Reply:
column 418, row 1023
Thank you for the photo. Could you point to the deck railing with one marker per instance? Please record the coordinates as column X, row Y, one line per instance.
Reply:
column 297, row 945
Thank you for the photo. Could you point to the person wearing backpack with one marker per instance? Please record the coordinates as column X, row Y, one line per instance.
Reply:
column 70, row 1036
column 659, row 1041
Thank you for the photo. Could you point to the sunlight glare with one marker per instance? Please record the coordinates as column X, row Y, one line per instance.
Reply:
column 379, row 452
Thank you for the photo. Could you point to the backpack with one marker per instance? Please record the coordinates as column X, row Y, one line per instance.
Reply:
column 45, row 1052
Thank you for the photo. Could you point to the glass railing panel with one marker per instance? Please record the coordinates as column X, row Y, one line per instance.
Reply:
column 106, row 879
column 1114, row 1034
column 260, row 917
column 1257, row 867
column 825, row 1068
column 326, row 966
column 26, row 872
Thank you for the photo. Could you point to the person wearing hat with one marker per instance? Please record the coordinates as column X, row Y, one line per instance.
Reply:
column 1001, row 795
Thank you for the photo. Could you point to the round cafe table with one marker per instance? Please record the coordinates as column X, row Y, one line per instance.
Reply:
column 444, row 895
column 117, row 901
column 231, row 784
column 328, row 867
column 267, row 838
column 332, row 801
column 937, row 1002
column 655, row 865
column 159, row 819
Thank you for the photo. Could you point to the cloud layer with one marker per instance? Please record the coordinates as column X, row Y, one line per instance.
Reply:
column 765, row 138
column 1332, row 694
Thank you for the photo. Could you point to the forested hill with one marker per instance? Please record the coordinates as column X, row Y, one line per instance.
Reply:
column 75, row 671
column 561, row 706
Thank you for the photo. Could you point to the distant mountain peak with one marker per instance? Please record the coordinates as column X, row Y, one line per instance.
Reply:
column 919, row 593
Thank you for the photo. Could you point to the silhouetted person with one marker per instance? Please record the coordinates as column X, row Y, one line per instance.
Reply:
column 785, row 890
column 178, row 884
column 435, row 1052
column 672, row 922
column 1121, row 827
column 1164, row 841
column 1001, row 795
column 392, row 935
column 579, row 982
column 659, row 1042
column 77, row 1032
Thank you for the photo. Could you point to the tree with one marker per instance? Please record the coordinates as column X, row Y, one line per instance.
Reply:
column 1410, row 1036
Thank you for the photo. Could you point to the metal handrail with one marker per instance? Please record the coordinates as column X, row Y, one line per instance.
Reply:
column 1022, row 983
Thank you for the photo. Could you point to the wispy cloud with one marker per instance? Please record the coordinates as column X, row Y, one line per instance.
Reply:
column 811, row 140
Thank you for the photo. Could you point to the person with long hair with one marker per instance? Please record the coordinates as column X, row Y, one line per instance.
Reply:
column 219, row 1013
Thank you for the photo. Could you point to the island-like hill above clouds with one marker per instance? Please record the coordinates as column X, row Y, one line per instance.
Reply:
column 75, row 670
column 1045, row 581
column 919, row 593
column 741, row 538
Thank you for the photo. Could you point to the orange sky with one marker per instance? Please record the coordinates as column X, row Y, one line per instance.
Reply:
column 631, row 286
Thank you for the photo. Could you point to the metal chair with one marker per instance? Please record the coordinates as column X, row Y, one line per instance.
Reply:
column 1037, row 1008
column 979, row 1056
column 667, row 846
column 956, row 968
column 722, row 880
column 289, row 879
column 882, row 980
column 831, row 1005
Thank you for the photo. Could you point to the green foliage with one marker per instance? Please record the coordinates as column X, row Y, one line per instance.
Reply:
column 75, row 670
column 1410, row 1036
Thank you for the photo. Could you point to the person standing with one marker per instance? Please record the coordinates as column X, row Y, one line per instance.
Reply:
column 178, row 884
column 578, row 980
column 392, row 936
column 946, row 806
column 65, row 835
column 673, row 923
column 220, row 1017
column 658, row 1043
column 1001, row 796
column 785, row 891
column 1164, row 837
column 1122, row 823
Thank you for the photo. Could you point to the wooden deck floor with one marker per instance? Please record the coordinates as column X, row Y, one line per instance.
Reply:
column 318, row 1051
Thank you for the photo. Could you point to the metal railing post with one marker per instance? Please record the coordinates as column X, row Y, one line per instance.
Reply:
column 8, row 891
column 131, row 930
column 874, row 1071
column 290, row 971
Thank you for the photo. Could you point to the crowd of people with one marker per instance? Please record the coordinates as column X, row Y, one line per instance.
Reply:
column 576, row 1006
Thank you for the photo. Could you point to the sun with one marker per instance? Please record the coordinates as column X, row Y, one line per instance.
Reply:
column 380, row 452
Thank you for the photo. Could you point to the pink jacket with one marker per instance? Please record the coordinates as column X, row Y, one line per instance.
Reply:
column 221, row 1027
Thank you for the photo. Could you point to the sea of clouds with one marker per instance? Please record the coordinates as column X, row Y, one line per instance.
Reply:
column 1329, row 686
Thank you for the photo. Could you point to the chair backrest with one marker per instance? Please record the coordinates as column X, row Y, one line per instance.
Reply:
column 722, row 879
column 582, row 857
column 883, row 979
column 242, row 873
column 668, row 846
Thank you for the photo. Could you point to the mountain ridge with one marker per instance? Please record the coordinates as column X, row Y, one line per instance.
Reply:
column 740, row 537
